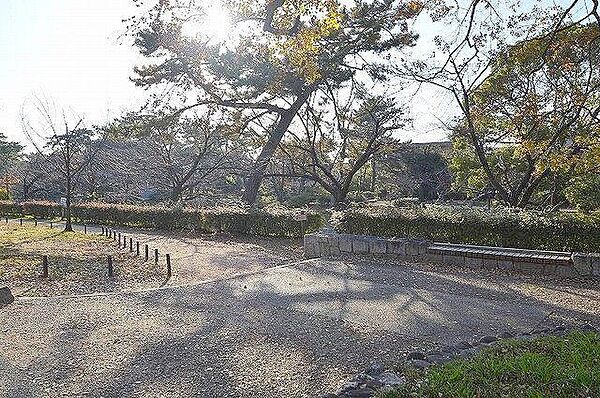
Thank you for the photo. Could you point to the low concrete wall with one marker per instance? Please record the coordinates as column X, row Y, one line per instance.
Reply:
column 323, row 244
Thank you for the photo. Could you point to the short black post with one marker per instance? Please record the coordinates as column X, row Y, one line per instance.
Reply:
column 146, row 252
column 169, row 271
column 137, row 248
column 130, row 245
column 35, row 222
column 84, row 229
column 110, row 267
column 102, row 230
column 45, row 267
column 119, row 239
column 155, row 256
column 51, row 225
column 20, row 221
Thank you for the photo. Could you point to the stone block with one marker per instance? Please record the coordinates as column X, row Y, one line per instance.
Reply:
column 334, row 250
column 582, row 263
column 360, row 246
column 6, row 296
column 550, row 269
column 311, row 251
column 324, row 249
column 473, row 262
column 423, row 245
column 490, row 263
column 434, row 258
column 595, row 264
column 566, row 271
column 529, row 268
column 506, row 265
column 345, row 244
column 378, row 246
column 454, row 260
column 333, row 240
column 396, row 247
column 411, row 248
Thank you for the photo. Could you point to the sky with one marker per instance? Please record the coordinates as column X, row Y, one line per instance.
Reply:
column 66, row 50
column 70, row 51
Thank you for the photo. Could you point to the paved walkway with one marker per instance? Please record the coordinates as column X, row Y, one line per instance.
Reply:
column 292, row 331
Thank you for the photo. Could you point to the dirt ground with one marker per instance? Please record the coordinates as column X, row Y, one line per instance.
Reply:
column 78, row 261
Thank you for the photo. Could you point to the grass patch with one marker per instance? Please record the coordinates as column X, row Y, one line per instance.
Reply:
column 548, row 367
column 77, row 262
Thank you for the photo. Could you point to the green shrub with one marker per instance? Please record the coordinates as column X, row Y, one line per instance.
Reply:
column 9, row 208
column 584, row 193
column 4, row 194
column 477, row 226
column 273, row 222
column 41, row 209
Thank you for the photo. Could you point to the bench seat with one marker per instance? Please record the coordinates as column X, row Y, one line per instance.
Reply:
column 497, row 253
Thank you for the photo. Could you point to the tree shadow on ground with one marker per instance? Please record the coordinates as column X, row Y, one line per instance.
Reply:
column 295, row 332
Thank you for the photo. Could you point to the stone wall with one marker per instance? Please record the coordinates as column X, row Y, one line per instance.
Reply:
column 330, row 244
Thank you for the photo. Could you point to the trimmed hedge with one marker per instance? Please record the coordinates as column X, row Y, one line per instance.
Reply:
column 501, row 227
column 9, row 208
column 273, row 222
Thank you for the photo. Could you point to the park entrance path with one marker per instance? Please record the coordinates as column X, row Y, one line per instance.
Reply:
column 293, row 331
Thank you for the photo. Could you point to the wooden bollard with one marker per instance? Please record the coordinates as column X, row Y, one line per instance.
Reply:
column 146, row 253
column 137, row 248
column 155, row 256
column 130, row 245
column 45, row 267
column 119, row 239
column 169, row 271
column 111, row 270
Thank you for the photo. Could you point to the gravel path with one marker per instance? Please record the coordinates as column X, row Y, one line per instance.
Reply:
column 197, row 258
column 295, row 331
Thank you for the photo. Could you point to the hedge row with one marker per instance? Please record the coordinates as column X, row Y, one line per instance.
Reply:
column 504, row 228
column 277, row 222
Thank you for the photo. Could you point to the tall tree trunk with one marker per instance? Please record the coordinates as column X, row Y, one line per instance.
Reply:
column 257, row 173
column 176, row 192
column 68, row 225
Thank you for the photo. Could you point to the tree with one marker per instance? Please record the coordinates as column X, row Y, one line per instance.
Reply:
column 415, row 170
column 69, row 147
column 537, row 115
column 333, row 146
column 186, row 151
column 10, row 153
column 524, row 90
column 279, row 52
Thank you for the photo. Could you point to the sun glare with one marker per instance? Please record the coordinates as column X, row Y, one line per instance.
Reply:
column 214, row 25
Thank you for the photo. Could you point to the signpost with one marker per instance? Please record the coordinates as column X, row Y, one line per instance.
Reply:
column 302, row 218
